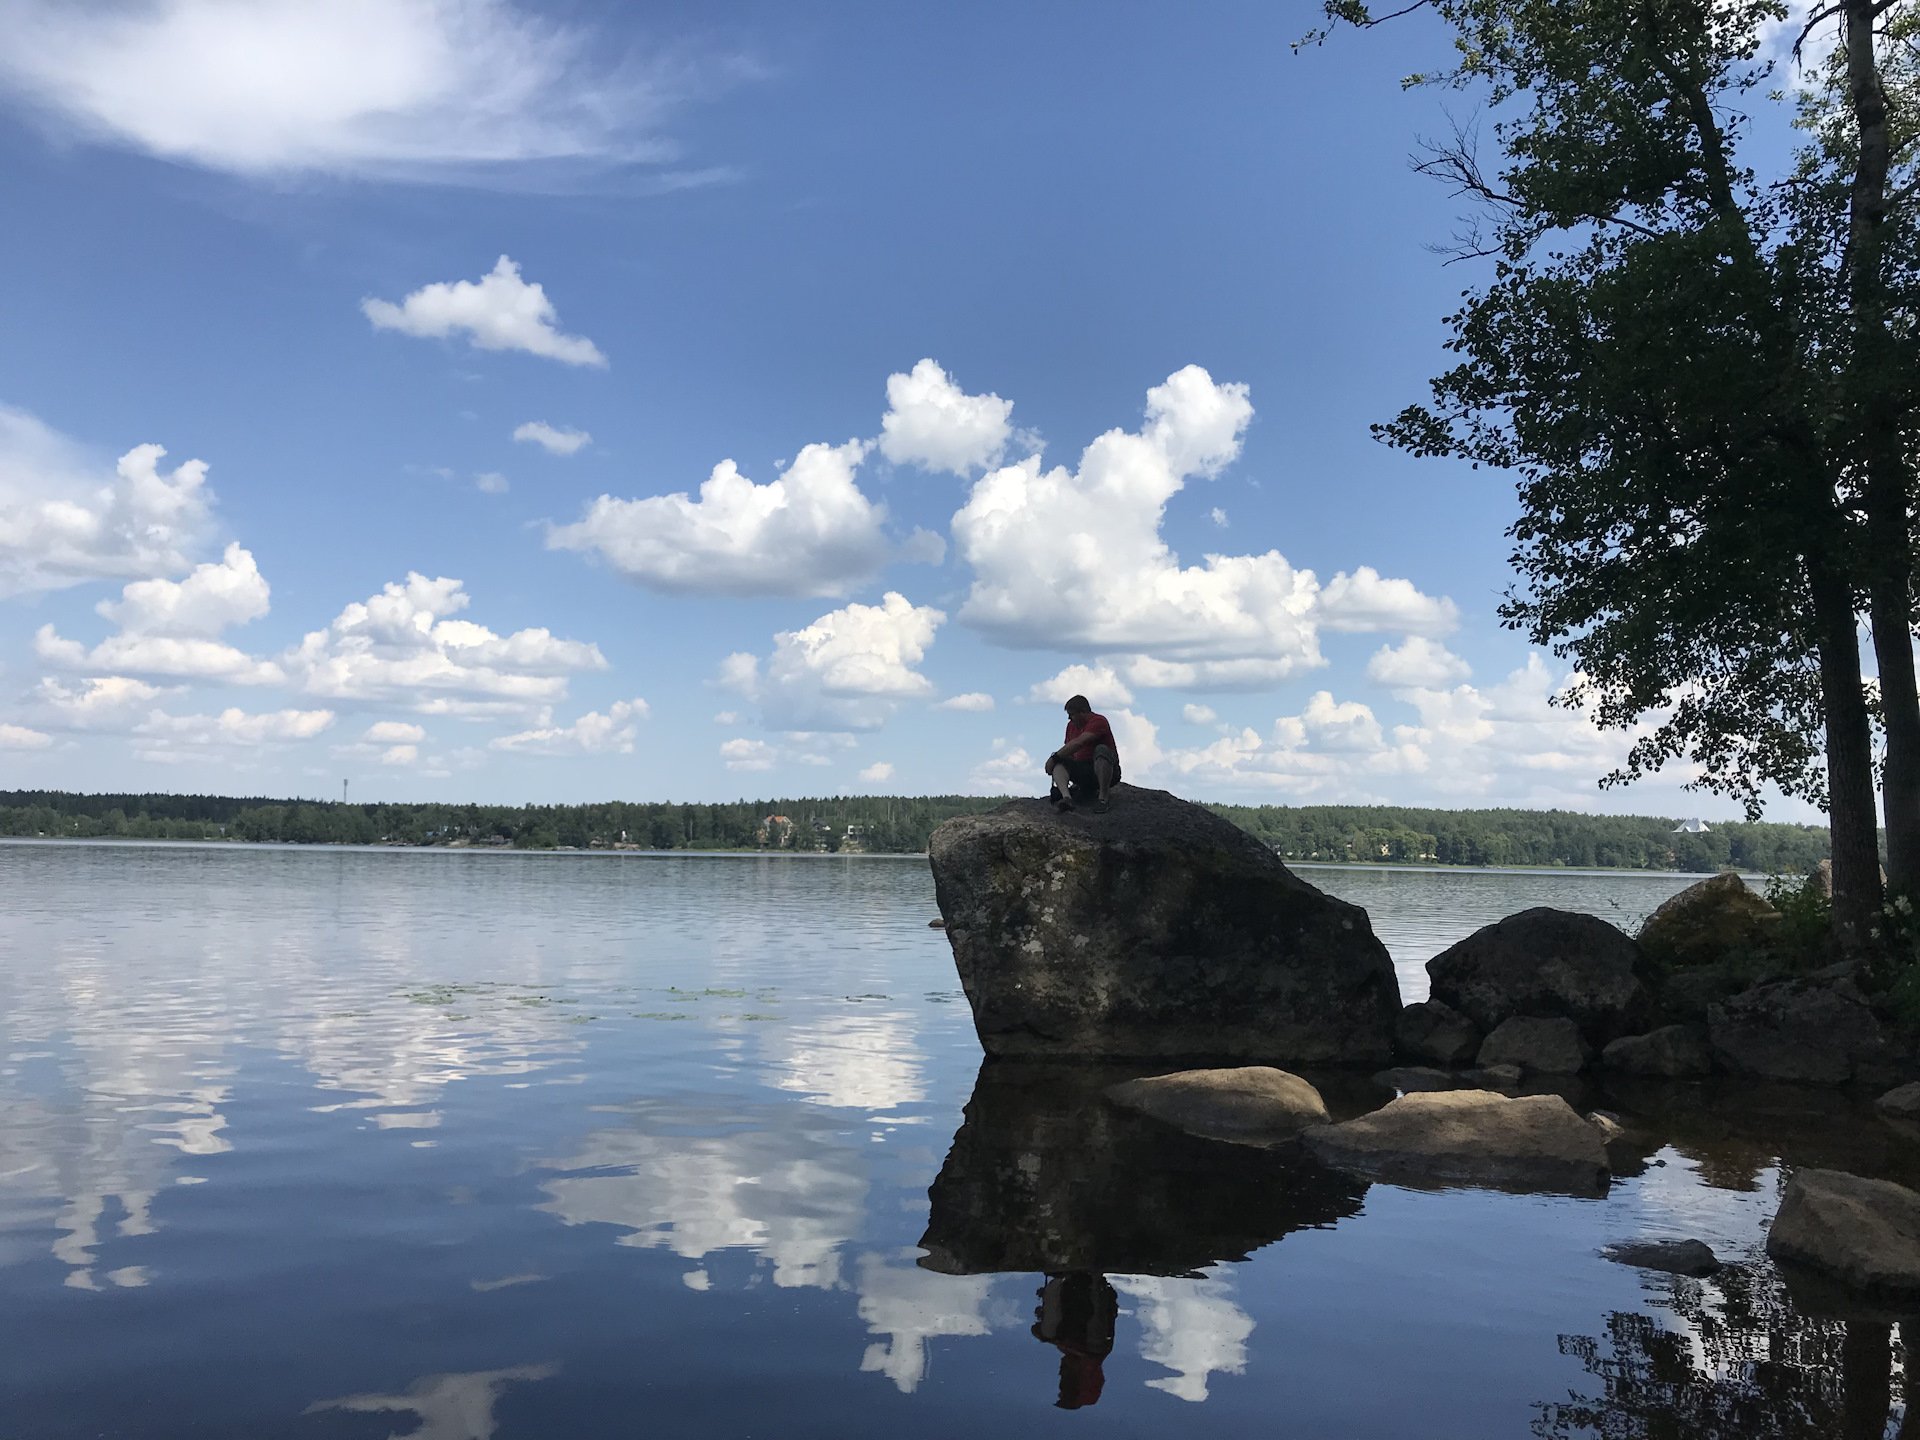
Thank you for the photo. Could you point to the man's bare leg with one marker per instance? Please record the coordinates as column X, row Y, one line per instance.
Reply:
column 1063, row 782
column 1103, row 772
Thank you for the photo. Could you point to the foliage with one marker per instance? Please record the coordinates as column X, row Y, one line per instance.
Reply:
column 1806, row 918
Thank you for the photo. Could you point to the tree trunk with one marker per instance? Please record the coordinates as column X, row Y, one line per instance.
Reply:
column 1850, row 807
column 1889, row 558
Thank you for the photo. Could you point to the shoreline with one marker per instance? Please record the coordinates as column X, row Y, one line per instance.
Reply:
column 559, row 851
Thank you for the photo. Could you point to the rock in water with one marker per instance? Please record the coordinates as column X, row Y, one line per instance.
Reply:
column 1437, row 1034
column 1675, row 1257
column 1863, row 1233
column 1538, row 1047
column 1902, row 1103
column 1713, row 920
column 1249, row 1104
column 1673, row 1052
column 1157, row 930
column 1474, row 1137
column 1547, row 963
column 1816, row 1031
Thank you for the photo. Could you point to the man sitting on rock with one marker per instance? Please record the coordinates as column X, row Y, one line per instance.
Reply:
column 1089, row 760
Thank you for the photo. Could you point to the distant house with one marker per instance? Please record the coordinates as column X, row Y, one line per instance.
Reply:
column 1692, row 827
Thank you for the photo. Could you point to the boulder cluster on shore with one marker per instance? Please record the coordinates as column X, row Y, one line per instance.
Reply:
column 1161, row 936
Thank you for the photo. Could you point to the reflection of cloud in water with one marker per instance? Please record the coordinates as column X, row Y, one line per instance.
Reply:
column 450, row 1407
column 789, row 1188
column 911, row 1306
column 1191, row 1327
column 864, row 1060
column 403, row 1054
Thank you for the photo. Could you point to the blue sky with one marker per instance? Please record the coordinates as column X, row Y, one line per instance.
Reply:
column 342, row 255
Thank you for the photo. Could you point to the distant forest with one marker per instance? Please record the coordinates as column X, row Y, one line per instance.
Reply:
column 893, row 824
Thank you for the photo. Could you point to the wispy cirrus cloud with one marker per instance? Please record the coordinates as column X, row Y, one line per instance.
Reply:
column 473, row 91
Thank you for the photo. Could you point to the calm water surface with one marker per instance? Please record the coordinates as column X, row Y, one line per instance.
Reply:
column 327, row 1143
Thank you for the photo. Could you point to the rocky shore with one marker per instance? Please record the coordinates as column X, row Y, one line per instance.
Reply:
column 1158, row 936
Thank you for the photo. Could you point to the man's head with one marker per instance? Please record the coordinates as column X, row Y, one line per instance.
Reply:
column 1078, row 705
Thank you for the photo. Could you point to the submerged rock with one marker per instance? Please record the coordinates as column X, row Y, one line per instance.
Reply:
column 1673, row 1052
column 1044, row 1176
column 1819, row 1031
column 1540, row 1047
column 1546, row 963
column 1434, row 1033
column 1156, row 931
column 1249, row 1104
column 1717, row 918
column 1475, row 1137
column 1675, row 1257
column 1902, row 1103
column 1863, row 1233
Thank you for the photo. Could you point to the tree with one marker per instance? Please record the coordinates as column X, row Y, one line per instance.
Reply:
column 1678, row 393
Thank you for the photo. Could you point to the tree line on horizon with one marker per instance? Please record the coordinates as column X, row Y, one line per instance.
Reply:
column 897, row 824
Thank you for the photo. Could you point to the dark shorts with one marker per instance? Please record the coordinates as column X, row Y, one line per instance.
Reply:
column 1083, row 781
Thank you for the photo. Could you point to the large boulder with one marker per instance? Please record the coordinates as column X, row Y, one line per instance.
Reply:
column 1249, row 1104
column 1475, row 1137
column 1549, row 963
column 1432, row 1033
column 1818, row 1031
column 1155, row 931
column 1538, row 1047
column 1863, row 1233
column 1673, row 1052
column 1713, row 920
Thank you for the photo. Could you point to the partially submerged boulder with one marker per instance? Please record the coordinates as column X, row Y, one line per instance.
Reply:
column 1429, row 1032
column 1539, row 1047
column 1902, row 1103
column 1248, row 1104
column 1474, row 1137
column 1717, row 918
column 1674, row 1257
column 1155, row 931
column 1819, row 1030
column 1673, row 1052
column 1548, row 963
column 1863, row 1233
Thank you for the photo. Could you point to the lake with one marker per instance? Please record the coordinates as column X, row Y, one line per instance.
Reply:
column 337, row 1143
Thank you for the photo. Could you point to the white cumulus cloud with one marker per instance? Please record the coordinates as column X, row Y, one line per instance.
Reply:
column 405, row 645
column 499, row 311
column 394, row 732
column 848, row 669
column 810, row 532
column 555, row 441
column 103, row 702
column 931, row 422
column 172, row 627
column 743, row 754
column 1416, row 664
column 974, row 702
column 1073, row 559
column 878, row 771
column 234, row 726
column 64, row 519
column 1198, row 715
column 596, row 733
column 1097, row 682
column 408, row 89
column 21, row 737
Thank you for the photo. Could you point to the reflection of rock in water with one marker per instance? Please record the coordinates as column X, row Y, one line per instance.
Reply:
column 1046, row 1175
column 1735, row 1358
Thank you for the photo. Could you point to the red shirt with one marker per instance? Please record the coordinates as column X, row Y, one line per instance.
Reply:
column 1102, row 734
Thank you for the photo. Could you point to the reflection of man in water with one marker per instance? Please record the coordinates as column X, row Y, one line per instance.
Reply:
column 1077, row 1314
